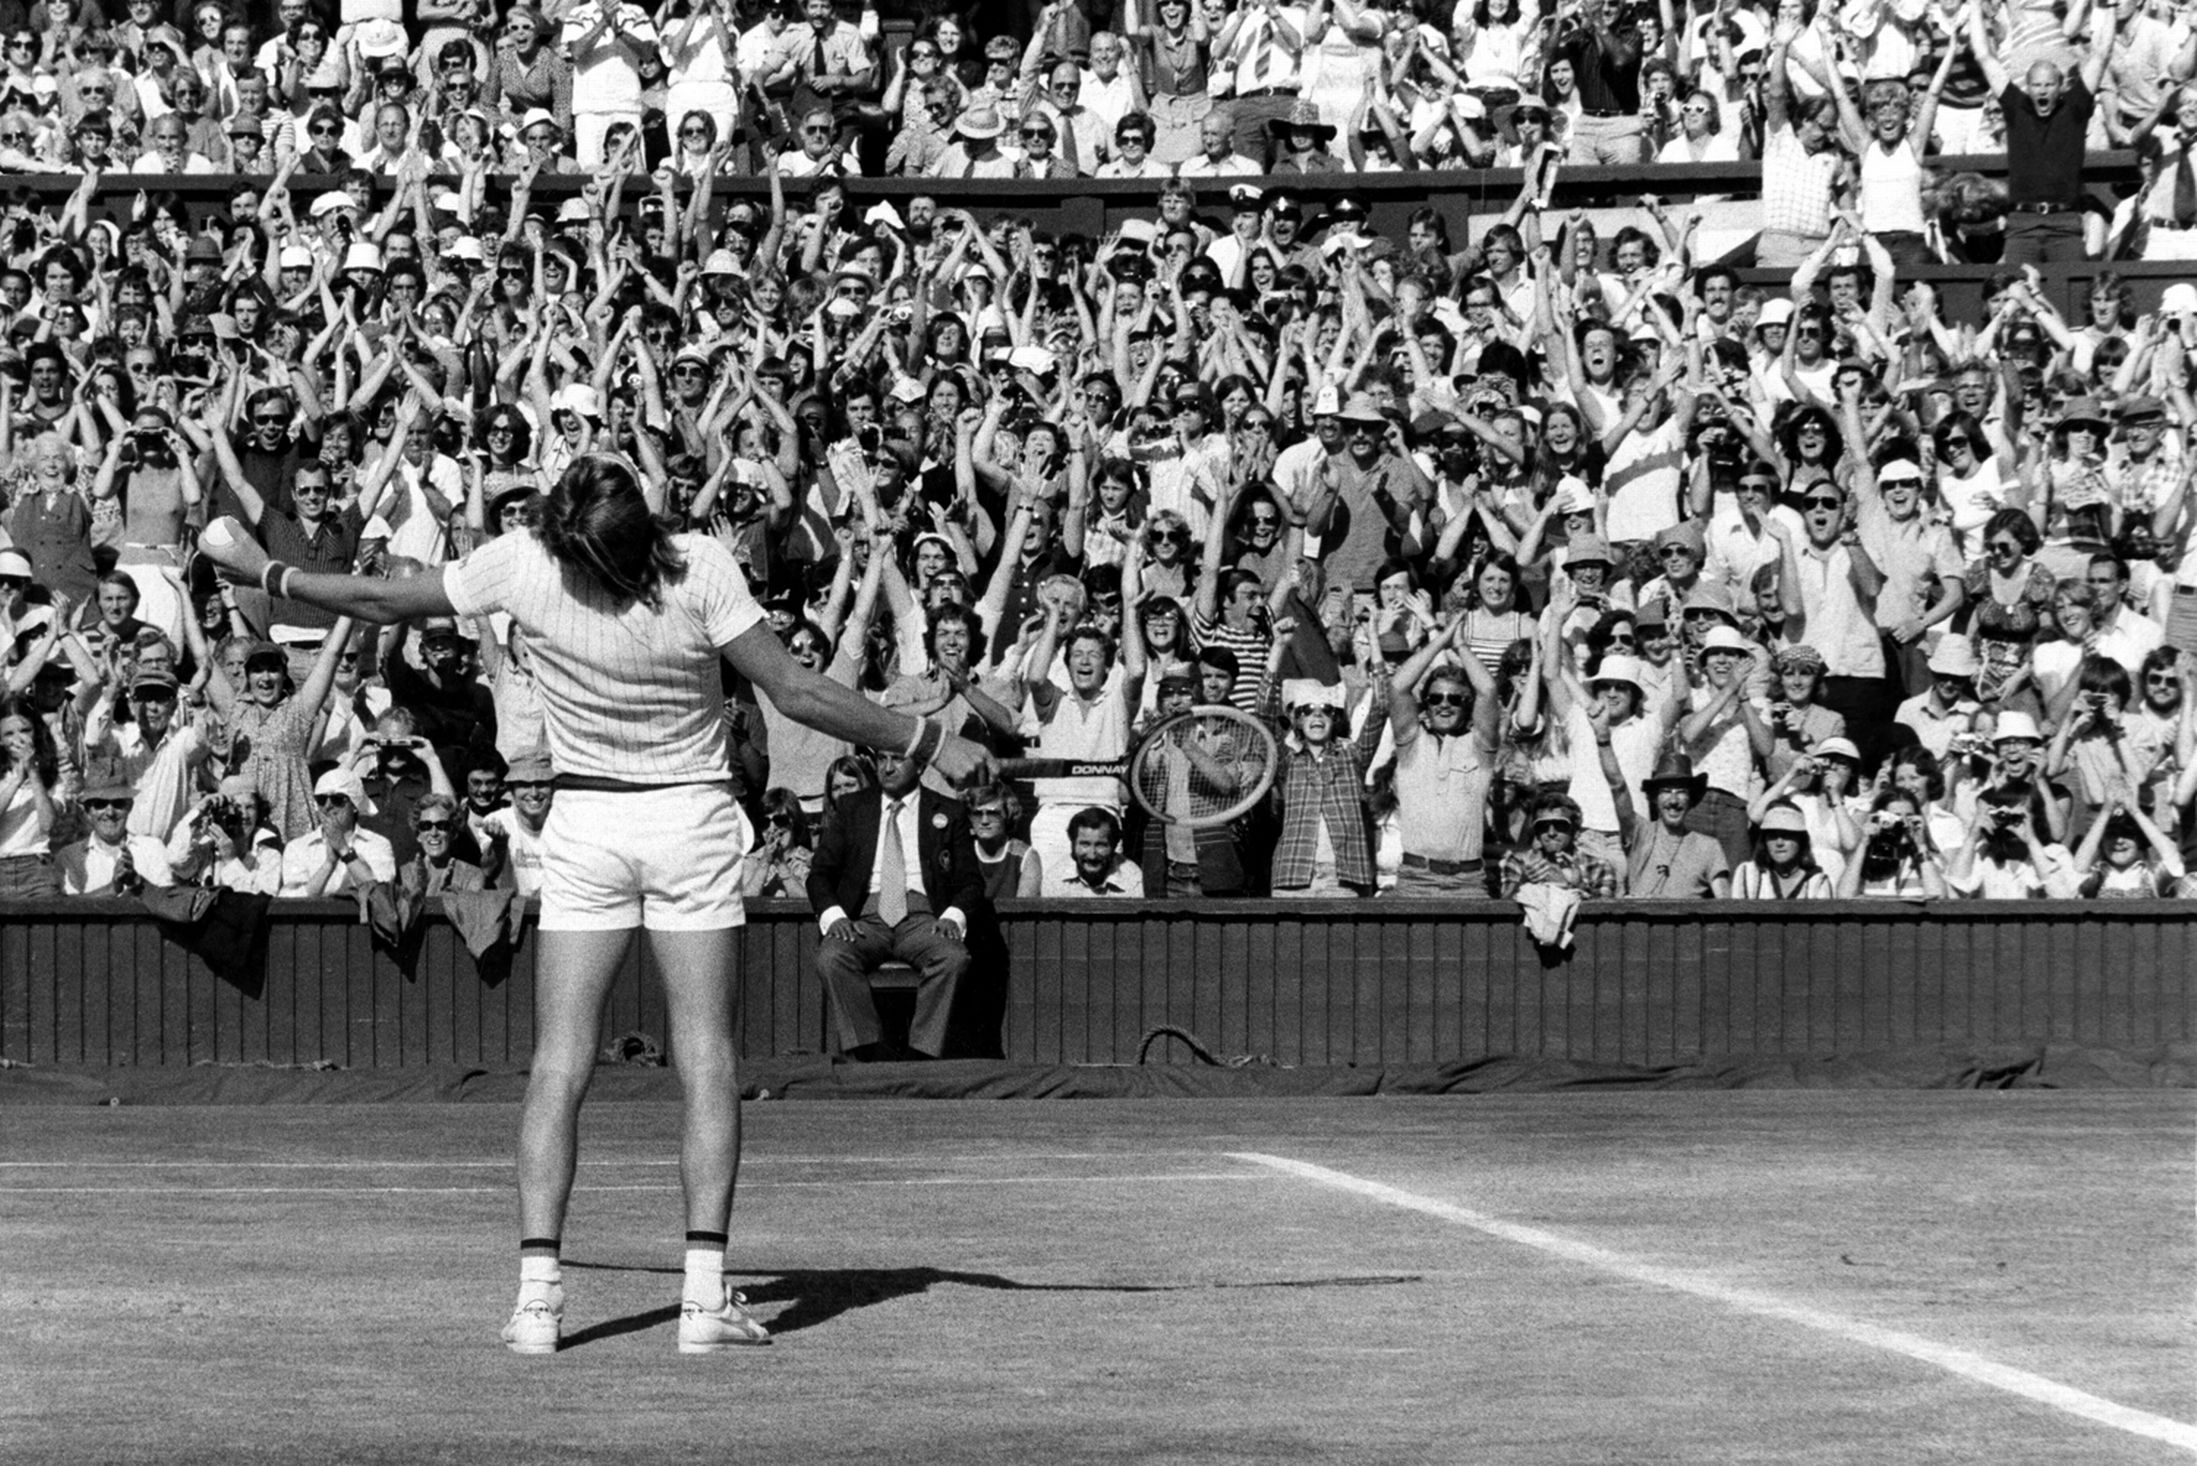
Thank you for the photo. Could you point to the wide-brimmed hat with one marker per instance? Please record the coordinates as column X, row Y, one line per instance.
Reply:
column 2016, row 724
column 2139, row 409
column 979, row 124
column 2085, row 410
column 107, row 779
column 1955, row 657
column 1627, row 670
column 1588, row 549
column 1712, row 599
column 1361, row 408
column 1675, row 771
column 1726, row 639
column 1303, row 116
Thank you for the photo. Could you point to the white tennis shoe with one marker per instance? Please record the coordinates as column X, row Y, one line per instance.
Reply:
column 727, row 1326
column 538, row 1322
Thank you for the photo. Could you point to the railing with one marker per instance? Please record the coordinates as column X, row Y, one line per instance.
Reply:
column 1374, row 982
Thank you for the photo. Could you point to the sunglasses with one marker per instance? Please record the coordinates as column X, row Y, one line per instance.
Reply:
column 332, row 801
column 325, row 129
column 987, row 814
column 100, row 804
column 686, row 371
column 443, row 825
column 2008, row 547
column 1621, row 639
column 1444, row 699
column 694, row 132
column 270, row 422
column 1680, row 551
column 1815, row 503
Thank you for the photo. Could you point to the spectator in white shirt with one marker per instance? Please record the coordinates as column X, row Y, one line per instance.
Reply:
column 337, row 855
column 225, row 842
column 110, row 861
column 1097, row 868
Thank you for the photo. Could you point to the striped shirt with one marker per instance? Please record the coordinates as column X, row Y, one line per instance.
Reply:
column 627, row 692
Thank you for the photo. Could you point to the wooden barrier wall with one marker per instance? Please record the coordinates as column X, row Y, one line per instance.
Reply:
column 95, row 982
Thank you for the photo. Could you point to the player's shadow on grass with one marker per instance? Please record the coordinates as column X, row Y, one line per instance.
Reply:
column 818, row 1295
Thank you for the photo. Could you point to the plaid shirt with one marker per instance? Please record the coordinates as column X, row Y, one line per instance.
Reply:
column 1331, row 787
column 1589, row 876
column 2142, row 487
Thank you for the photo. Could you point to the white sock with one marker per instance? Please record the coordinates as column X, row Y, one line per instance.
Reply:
column 538, row 1274
column 706, row 1275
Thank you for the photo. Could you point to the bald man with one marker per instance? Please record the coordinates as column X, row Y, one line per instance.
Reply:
column 2047, row 118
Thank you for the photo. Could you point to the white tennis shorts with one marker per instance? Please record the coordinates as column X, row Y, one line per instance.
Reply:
column 666, row 859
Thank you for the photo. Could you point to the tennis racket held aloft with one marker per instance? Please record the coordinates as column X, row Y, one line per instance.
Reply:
column 1200, row 768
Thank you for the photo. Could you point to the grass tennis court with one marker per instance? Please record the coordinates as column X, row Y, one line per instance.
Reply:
column 1817, row 1277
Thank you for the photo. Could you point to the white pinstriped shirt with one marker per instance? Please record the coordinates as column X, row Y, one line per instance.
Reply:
column 633, row 694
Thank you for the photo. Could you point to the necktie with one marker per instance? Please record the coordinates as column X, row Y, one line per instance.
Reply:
column 2185, row 189
column 892, row 869
column 1262, row 55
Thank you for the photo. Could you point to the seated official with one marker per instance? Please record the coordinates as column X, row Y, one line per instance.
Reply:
column 111, row 861
column 894, row 878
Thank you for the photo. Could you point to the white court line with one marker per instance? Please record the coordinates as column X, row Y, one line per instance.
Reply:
column 18, row 1192
column 506, row 1163
column 1957, row 1361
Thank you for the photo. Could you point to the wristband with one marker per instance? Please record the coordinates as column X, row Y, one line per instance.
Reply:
column 270, row 579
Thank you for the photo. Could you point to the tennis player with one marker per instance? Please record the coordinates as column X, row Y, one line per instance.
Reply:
column 627, row 622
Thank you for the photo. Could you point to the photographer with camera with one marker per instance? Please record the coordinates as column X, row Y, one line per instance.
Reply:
column 2004, row 859
column 1897, row 856
column 225, row 842
column 400, row 771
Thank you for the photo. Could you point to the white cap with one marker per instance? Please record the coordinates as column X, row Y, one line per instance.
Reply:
column 1955, row 656
column 1328, row 403
column 1722, row 638
column 1573, row 496
column 1778, row 312
column 364, row 254
column 344, row 781
column 535, row 116
column 1310, row 692
column 2180, row 296
column 15, row 562
column 720, row 262
column 295, row 257
column 572, row 211
column 334, row 201
column 465, row 247
column 579, row 399
column 2016, row 725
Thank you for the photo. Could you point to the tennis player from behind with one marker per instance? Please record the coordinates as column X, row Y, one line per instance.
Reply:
column 627, row 622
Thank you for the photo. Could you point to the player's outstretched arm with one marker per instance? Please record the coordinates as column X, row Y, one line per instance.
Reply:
column 231, row 547
column 818, row 702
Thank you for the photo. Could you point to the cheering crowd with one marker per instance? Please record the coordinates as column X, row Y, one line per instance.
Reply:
column 1565, row 566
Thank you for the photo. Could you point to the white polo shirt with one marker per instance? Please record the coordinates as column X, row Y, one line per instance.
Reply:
column 629, row 692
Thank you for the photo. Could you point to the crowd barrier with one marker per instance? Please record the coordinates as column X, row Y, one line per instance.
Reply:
column 96, row 982
column 1095, row 207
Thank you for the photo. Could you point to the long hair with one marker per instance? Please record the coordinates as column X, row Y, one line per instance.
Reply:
column 598, row 523
column 45, row 757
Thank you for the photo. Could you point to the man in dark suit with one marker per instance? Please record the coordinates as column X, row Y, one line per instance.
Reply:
column 895, row 877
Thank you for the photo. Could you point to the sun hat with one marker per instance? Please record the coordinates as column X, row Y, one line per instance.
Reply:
column 363, row 254
column 1711, row 599
column 529, row 768
column 1310, row 692
column 1726, row 639
column 1303, row 116
column 1627, row 670
column 2016, row 724
column 345, row 781
column 334, row 201
column 1675, row 771
column 1361, row 408
column 1687, row 534
column 1783, row 819
column 1778, row 312
column 979, row 124
column 1955, row 657
column 1588, row 549
column 1800, row 657
column 1837, row 748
